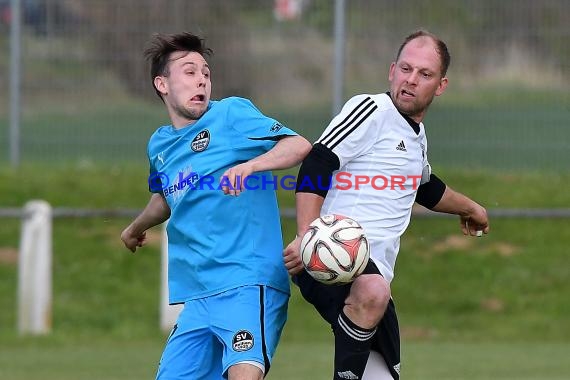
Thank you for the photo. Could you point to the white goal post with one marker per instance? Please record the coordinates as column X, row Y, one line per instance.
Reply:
column 168, row 313
column 34, row 269
column 35, row 273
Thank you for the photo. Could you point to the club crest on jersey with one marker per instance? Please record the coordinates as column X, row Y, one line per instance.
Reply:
column 276, row 127
column 201, row 141
column 242, row 341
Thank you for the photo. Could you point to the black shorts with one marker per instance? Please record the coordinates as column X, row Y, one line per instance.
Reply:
column 328, row 300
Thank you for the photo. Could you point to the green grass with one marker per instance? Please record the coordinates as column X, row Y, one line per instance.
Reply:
column 510, row 138
column 469, row 308
column 84, row 184
column 494, row 128
column 507, row 129
column 498, row 288
column 96, row 359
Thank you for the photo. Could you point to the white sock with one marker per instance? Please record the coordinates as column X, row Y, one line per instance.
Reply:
column 376, row 368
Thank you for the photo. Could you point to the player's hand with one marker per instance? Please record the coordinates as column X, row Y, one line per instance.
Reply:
column 292, row 256
column 476, row 223
column 132, row 241
column 233, row 179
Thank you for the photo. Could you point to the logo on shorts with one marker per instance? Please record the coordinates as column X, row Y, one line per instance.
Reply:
column 242, row 341
column 201, row 141
column 347, row 375
column 397, row 368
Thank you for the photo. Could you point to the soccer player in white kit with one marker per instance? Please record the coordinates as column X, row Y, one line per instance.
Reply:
column 372, row 158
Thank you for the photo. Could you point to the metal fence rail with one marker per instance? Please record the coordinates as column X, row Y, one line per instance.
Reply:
column 86, row 95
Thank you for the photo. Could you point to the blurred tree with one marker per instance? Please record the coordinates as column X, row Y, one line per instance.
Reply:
column 122, row 29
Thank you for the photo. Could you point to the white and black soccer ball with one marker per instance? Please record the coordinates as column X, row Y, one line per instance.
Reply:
column 334, row 249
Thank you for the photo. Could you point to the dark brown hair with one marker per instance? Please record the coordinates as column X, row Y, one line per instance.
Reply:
column 163, row 45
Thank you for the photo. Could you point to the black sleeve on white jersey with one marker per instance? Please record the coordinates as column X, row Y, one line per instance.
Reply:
column 429, row 194
column 315, row 174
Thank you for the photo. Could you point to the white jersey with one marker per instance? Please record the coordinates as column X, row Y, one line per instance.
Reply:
column 382, row 158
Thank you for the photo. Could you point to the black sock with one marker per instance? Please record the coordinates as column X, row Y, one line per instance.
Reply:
column 352, row 348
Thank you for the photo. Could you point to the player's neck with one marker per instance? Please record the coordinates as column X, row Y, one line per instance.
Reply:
column 181, row 122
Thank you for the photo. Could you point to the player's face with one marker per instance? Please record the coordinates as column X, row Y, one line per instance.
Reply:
column 416, row 78
column 187, row 88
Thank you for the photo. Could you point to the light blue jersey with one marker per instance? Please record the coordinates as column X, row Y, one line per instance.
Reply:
column 218, row 242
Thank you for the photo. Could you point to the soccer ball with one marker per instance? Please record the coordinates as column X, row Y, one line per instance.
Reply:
column 335, row 250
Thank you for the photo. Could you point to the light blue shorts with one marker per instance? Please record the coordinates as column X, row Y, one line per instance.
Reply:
column 214, row 333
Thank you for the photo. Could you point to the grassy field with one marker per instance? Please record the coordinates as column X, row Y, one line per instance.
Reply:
column 98, row 359
column 469, row 308
column 505, row 128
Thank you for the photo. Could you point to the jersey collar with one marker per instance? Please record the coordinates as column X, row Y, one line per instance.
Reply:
column 415, row 126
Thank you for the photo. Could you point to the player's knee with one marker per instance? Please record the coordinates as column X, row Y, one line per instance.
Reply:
column 371, row 294
column 245, row 371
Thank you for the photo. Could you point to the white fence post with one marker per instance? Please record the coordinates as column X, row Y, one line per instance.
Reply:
column 168, row 313
column 34, row 269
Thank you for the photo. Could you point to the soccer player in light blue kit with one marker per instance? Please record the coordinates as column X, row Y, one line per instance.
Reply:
column 224, row 238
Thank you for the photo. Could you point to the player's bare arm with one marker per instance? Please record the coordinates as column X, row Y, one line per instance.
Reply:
column 155, row 212
column 473, row 216
column 308, row 209
column 288, row 152
column 320, row 163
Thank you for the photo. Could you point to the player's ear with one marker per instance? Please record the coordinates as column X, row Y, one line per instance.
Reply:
column 391, row 72
column 161, row 85
column 442, row 86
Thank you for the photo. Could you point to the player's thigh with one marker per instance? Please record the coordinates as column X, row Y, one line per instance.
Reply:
column 249, row 321
column 191, row 351
column 328, row 300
